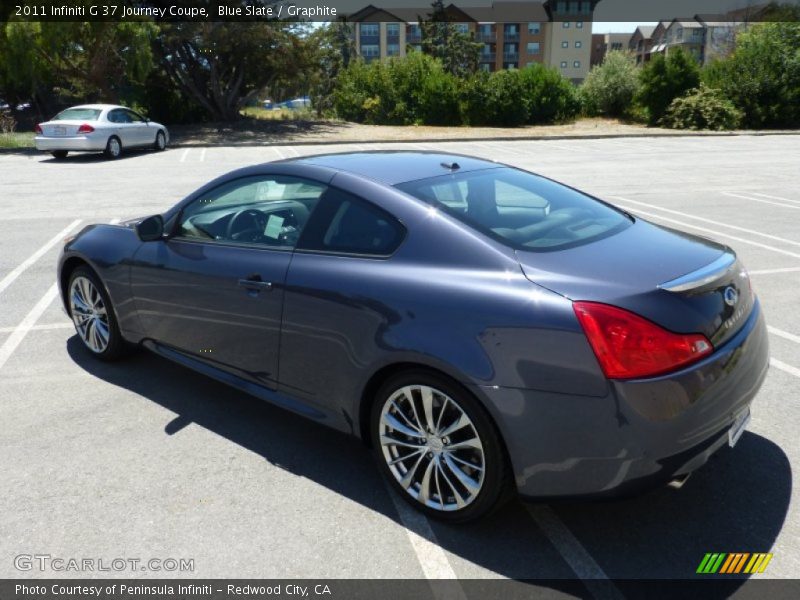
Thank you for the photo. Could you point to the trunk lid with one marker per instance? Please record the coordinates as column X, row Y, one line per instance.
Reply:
column 683, row 283
column 61, row 128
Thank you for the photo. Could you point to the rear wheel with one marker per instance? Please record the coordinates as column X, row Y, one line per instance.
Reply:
column 161, row 141
column 93, row 316
column 438, row 448
column 59, row 154
column 113, row 148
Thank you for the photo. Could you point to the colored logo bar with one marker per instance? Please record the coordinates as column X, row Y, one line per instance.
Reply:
column 734, row 562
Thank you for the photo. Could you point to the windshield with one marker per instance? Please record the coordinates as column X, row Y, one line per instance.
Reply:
column 520, row 209
column 78, row 114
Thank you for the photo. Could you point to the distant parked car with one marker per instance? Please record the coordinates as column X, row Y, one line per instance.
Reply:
column 268, row 104
column 103, row 128
column 296, row 103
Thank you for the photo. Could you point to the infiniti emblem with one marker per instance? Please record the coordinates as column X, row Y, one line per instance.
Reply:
column 731, row 296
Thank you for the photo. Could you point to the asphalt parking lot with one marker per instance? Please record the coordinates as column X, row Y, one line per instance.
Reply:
column 145, row 459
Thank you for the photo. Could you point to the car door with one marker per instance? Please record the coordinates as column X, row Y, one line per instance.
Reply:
column 122, row 127
column 141, row 132
column 214, row 290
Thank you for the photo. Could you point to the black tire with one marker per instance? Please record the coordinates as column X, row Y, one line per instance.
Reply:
column 59, row 154
column 116, row 347
column 113, row 148
column 161, row 141
column 496, row 487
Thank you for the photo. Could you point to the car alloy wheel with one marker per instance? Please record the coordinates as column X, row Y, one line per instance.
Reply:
column 89, row 314
column 161, row 141
column 93, row 316
column 432, row 448
column 113, row 148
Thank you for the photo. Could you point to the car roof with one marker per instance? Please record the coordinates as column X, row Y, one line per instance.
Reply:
column 393, row 167
column 97, row 106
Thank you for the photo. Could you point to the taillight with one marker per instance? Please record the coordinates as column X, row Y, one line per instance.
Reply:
column 38, row 128
column 85, row 128
column 629, row 346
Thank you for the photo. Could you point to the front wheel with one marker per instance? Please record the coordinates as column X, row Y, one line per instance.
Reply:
column 161, row 141
column 59, row 154
column 93, row 316
column 438, row 447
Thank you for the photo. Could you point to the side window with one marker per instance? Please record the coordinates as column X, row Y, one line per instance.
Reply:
column 350, row 225
column 115, row 116
column 266, row 210
column 132, row 117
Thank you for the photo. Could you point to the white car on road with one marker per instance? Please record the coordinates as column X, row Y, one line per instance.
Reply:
column 106, row 128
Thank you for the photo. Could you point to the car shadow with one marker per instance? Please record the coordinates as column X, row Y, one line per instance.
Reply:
column 736, row 503
column 96, row 157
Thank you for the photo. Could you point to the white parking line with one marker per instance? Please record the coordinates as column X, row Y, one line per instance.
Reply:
column 784, row 367
column 9, row 279
column 711, row 231
column 775, row 197
column 184, row 155
column 42, row 327
column 21, row 330
column 784, row 334
column 202, row 155
column 432, row 558
column 736, row 227
column 573, row 552
column 732, row 195
column 278, row 152
column 114, row 221
column 774, row 271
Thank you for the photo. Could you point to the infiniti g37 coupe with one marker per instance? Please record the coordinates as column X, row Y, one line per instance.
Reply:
column 103, row 128
column 480, row 327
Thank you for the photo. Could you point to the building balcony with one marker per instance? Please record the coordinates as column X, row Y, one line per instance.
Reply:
column 370, row 40
column 510, row 37
column 510, row 56
column 486, row 37
column 414, row 38
column 487, row 57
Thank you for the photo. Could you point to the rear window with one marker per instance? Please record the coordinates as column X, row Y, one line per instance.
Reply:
column 523, row 210
column 78, row 114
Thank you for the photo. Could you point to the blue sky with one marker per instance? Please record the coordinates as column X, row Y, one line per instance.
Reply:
column 626, row 27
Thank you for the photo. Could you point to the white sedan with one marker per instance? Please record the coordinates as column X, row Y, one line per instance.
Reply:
column 106, row 128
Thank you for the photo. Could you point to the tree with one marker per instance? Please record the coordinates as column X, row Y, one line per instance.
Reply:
column 664, row 79
column 441, row 39
column 93, row 61
column 332, row 47
column 762, row 76
column 223, row 65
column 610, row 88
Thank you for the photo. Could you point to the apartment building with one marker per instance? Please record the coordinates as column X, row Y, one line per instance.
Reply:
column 641, row 43
column 514, row 34
column 603, row 43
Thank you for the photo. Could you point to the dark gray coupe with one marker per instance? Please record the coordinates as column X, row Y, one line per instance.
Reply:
column 480, row 327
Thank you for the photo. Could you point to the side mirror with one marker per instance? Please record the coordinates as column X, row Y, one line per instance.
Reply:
column 150, row 229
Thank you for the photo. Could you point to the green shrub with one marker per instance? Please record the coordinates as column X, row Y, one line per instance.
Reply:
column 702, row 108
column 664, row 79
column 762, row 77
column 550, row 97
column 610, row 88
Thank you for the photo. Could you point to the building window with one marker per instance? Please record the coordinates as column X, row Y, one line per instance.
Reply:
column 369, row 30
column 565, row 44
column 533, row 48
column 579, row 44
column 393, row 30
column 679, row 34
column 462, row 28
column 370, row 50
column 561, row 7
column 485, row 29
column 563, row 64
column 534, row 28
column 392, row 49
column 485, row 67
column 577, row 64
column 565, row 24
column 579, row 24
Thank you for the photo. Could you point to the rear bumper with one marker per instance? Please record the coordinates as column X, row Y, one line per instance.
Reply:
column 641, row 434
column 76, row 143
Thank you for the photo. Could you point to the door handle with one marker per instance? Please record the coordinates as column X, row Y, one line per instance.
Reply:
column 255, row 284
